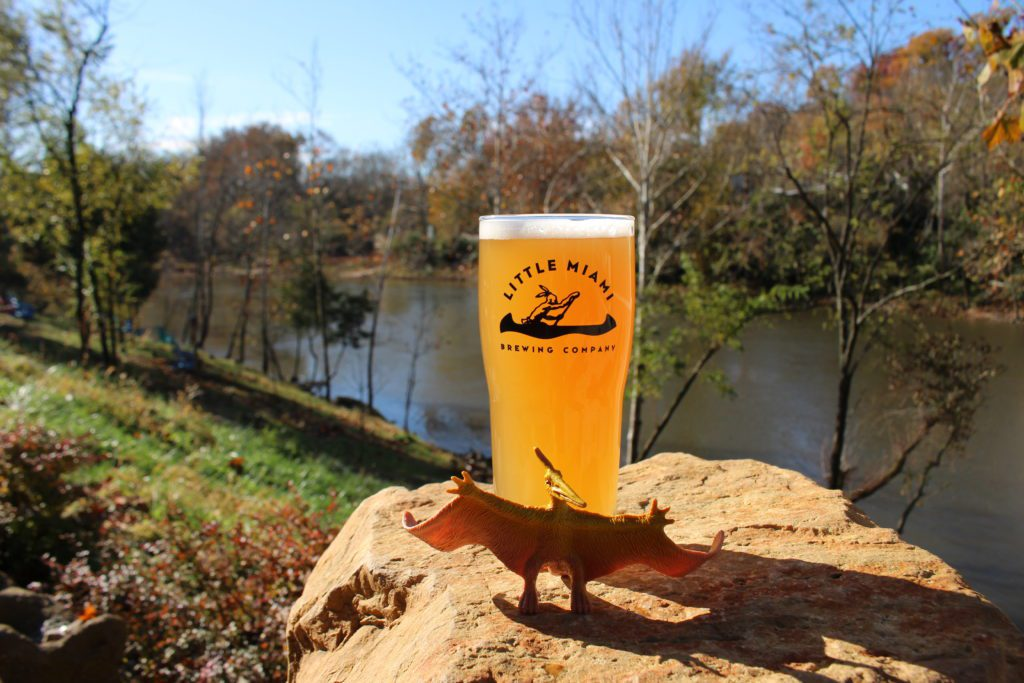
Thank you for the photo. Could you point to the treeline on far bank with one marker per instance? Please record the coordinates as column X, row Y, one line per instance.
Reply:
column 856, row 170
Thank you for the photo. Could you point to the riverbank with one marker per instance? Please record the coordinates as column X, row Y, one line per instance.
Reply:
column 218, row 440
column 190, row 504
column 344, row 268
column 354, row 268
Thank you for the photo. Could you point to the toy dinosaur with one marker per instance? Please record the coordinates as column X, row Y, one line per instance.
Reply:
column 579, row 546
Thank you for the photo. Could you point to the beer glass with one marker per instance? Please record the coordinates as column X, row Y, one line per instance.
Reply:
column 556, row 323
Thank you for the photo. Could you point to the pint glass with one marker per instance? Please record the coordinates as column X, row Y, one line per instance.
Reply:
column 556, row 323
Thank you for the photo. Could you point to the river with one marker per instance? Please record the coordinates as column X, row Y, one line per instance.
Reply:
column 781, row 412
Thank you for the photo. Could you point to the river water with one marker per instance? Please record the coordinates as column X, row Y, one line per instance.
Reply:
column 781, row 412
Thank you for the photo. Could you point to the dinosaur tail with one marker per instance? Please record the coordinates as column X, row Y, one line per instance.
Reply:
column 679, row 561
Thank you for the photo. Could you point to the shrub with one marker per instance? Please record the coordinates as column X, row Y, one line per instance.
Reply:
column 41, row 511
column 203, row 601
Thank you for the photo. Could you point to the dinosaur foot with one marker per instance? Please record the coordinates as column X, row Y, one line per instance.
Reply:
column 579, row 603
column 528, row 602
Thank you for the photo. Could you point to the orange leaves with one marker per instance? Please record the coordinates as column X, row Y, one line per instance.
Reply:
column 1003, row 47
column 1003, row 129
column 88, row 612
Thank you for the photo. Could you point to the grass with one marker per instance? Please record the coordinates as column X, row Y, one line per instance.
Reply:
column 217, row 443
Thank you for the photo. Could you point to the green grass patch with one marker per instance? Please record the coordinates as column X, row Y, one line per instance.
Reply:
column 217, row 443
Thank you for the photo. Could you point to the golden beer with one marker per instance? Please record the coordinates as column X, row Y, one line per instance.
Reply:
column 556, row 324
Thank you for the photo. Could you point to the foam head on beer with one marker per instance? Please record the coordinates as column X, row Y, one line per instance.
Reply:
column 556, row 324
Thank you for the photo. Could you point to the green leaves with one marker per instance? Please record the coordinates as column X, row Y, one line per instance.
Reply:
column 686, row 320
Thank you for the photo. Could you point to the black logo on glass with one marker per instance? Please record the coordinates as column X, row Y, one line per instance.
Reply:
column 544, row 320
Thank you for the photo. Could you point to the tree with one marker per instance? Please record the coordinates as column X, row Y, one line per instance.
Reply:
column 422, row 329
column 378, row 298
column 855, row 178
column 345, row 312
column 129, row 189
column 63, row 58
column 313, row 207
column 928, row 81
column 995, row 257
column 543, row 156
column 653, row 136
column 14, row 73
column 943, row 376
column 204, row 226
column 13, row 78
column 714, row 315
column 267, row 187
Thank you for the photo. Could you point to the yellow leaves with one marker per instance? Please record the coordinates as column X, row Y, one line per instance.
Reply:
column 986, row 73
column 990, row 35
column 1003, row 129
column 1003, row 53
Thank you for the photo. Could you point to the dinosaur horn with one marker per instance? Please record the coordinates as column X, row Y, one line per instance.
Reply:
column 540, row 454
column 657, row 513
column 558, row 487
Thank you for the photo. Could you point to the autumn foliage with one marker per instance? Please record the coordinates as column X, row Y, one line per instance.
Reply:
column 1000, row 36
column 41, row 511
column 203, row 600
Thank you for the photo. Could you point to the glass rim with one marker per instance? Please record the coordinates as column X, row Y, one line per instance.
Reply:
column 557, row 217
column 555, row 226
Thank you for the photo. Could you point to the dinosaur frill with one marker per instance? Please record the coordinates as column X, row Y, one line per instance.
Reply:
column 578, row 545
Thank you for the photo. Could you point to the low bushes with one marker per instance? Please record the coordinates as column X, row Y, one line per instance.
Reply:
column 204, row 600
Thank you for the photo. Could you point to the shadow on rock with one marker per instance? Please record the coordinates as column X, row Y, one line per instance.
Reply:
column 775, row 613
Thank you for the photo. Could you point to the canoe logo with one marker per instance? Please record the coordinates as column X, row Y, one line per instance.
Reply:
column 544, row 321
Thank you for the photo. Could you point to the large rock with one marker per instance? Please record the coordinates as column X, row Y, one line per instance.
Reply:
column 86, row 652
column 807, row 586
column 25, row 610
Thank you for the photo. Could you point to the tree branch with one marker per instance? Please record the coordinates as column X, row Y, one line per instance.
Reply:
column 680, row 395
column 901, row 292
column 896, row 467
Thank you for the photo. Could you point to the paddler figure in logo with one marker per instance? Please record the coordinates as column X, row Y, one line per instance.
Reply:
column 551, row 310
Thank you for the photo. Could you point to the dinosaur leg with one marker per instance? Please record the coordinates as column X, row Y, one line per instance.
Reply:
column 528, row 600
column 579, row 602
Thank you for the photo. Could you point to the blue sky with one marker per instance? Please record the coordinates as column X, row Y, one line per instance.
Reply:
column 247, row 50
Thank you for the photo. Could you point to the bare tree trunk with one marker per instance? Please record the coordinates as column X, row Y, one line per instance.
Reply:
column 419, row 347
column 101, row 323
column 410, row 384
column 680, row 395
column 269, row 355
column 636, row 399
column 238, row 333
column 940, row 211
column 921, row 486
column 78, row 234
column 206, row 310
column 379, row 294
column 196, row 337
column 836, row 476
column 321, row 305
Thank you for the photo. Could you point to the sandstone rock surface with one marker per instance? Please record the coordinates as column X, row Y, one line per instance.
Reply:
column 806, row 588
